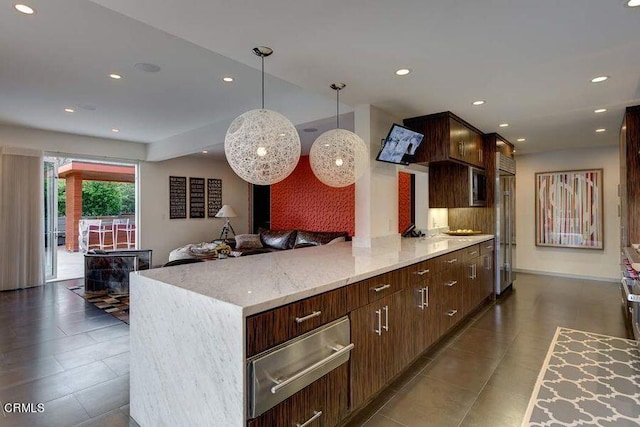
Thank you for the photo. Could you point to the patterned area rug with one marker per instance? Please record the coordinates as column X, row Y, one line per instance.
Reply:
column 587, row 379
column 115, row 305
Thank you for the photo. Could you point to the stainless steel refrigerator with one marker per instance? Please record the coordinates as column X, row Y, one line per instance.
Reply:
column 505, row 191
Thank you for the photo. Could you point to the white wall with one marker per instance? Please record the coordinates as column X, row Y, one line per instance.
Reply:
column 377, row 189
column 161, row 234
column 598, row 264
column 67, row 143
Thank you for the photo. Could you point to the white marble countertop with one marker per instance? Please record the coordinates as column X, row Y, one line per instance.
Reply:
column 261, row 282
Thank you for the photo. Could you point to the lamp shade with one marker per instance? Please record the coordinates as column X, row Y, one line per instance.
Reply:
column 226, row 212
column 262, row 147
column 337, row 157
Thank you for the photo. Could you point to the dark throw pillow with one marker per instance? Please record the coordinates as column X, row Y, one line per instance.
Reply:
column 248, row 241
column 278, row 239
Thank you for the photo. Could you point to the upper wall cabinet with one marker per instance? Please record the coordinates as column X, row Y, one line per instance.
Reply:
column 630, row 177
column 447, row 138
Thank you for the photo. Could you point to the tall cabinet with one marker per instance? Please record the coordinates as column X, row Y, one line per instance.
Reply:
column 630, row 177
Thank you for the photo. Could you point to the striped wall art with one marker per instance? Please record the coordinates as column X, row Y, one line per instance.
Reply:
column 569, row 209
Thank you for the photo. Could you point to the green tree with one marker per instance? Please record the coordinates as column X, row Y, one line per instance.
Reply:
column 128, row 197
column 62, row 197
column 100, row 198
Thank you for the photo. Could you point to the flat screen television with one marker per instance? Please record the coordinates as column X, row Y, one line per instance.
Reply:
column 400, row 146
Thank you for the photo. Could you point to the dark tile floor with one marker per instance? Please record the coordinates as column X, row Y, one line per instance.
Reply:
column 57, row 349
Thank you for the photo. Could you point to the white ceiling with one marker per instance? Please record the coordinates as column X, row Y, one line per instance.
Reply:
column 530, row 60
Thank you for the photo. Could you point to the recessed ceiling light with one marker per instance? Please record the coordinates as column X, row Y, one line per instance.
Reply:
column 227, row 79
column 600, row 110
column 204, row 151
column 521, row 139
column 600, row 130
column 115, row 76
column 69, row 110
column 115, row 130
column 504, row 125
column 599, row 79
column 23, row 8
column 403, row 71
column 147, row 67
column 633, row 3
column 480, row 102
column 309, row 130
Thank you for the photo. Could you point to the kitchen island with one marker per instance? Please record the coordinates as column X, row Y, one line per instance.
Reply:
column 193, row 327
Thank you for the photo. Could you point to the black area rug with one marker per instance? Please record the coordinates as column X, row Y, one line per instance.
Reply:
column 587, row 379
column 115, row 305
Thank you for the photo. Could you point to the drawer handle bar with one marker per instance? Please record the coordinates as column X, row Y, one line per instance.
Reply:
column 308, row 370
column 381, row 288
column 489, row 247
column 452, row 261
column 473, row 253
column 451, row 283
column 316, row 415
column 421, row 272
column 308, row 316
column 452, row 313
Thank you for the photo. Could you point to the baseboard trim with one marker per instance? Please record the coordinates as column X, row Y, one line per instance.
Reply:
column 569, row 276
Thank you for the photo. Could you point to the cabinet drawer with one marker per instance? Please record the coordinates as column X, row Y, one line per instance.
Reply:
column 446, row 261
column 486, row 248
column 418, row 273
column 325, row 399
column 470, row 252
column 276, row 326
column 370, row 290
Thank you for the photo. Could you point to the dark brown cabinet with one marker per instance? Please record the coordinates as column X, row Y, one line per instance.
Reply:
column 421, row 313
column 447, row 138
column 394, row 318
column 376, row 332
column 630, row 177
column 486, row 271
column 322, row 403
column 273, row 327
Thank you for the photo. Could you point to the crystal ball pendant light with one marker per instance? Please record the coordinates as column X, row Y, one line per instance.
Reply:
column 262, row 146
column 337, row 156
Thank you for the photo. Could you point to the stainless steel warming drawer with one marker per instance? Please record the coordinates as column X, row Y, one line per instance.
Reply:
column 279, row 373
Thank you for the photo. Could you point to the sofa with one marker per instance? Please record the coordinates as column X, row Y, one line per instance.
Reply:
column 264, row 241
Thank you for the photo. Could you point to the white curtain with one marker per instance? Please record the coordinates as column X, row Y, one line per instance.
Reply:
column 21, row 218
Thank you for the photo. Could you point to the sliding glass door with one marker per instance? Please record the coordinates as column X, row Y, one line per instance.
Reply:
column 50, row 220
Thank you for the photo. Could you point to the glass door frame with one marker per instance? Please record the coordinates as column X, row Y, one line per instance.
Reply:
column 50, row 220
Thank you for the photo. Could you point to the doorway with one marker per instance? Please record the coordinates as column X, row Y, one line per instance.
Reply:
column 80, row 192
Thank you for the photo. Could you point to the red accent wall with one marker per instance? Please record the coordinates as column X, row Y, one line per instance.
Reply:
column 301, row 201
column 404, row 201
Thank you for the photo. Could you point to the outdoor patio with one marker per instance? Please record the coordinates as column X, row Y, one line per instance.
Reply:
column 70, row 264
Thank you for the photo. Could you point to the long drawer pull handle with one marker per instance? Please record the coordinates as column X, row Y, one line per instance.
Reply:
column 386, row 318
column 381, row 288
column 421, row 305
column 308, row 316
column 452, row 313
column 316, row 415
column 452, row 261
column 451, row 283
column 489, row 247
column 312, row 368
column 421, row 272
column 379, row 330
column 426, row 298
column 473, row 253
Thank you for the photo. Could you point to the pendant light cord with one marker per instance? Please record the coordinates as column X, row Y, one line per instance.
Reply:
column 338, row 109
column 262, row 82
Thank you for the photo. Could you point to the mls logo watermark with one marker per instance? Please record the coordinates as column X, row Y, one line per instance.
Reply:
column 21, row 408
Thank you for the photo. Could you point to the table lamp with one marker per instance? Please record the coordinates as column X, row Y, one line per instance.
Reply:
column 226, row 212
